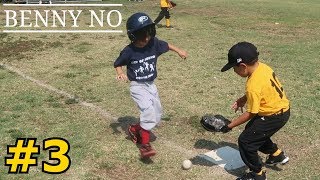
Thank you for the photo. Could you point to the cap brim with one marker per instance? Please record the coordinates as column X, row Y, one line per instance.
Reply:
column 227, row 67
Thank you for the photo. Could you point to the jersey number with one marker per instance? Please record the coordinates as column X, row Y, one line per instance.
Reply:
column 276, row 85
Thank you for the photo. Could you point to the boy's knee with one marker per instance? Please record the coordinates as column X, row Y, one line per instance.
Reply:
column 241, row 140
column 245, row 144
column 148, row 120
column 148, row 113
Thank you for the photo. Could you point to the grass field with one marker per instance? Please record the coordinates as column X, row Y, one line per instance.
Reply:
column 287, row 34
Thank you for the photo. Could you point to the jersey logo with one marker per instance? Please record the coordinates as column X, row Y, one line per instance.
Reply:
column 143, row 19
column 276, row 85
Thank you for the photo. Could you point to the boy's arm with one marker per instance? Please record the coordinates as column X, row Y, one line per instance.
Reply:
column 169, row 4
column 241, row 119
column 120, row 74
column 182, row 53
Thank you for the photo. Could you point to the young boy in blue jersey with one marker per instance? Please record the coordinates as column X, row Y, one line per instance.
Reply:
column 140, row 57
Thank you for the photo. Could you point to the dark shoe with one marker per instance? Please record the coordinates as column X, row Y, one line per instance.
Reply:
column 253, row 176
column 280, row 159
column 169, row 27
column 134, row 135
column 146, row 151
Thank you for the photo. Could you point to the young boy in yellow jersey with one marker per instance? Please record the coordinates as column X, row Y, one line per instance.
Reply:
column 165, row 6
column 267, row 110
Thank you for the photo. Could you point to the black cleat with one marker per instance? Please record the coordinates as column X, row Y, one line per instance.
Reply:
column 280, row 159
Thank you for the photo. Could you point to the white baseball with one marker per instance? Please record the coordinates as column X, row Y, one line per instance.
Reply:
column 186, row 164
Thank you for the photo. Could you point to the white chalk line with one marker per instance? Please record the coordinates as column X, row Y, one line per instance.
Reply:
column 104, row 113
column 58, row 91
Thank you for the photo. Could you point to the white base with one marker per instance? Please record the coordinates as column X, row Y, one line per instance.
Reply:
column 225, row 157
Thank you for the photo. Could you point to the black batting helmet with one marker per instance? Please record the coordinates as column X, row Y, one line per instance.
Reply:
column 139, row 24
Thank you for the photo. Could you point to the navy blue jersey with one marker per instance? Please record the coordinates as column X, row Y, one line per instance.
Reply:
column 142, row 62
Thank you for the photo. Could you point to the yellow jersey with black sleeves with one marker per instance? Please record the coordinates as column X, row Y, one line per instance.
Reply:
column 265, row 95
column 164, row 3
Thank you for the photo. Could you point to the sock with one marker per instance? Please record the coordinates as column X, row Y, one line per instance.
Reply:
column 145, row 136
column 277, row 153
column 259, row 173
column 137, row 127
column 168, row 22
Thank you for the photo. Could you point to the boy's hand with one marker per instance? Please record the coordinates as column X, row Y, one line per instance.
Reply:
column 225, row 129
column 239, row 104
column 122, row 77
column 172, row 4
column 183, row 54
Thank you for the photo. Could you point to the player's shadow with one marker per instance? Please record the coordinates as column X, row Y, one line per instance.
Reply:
column 210, row 145
column 122, row 125
column 204, row 160
column 273, row 167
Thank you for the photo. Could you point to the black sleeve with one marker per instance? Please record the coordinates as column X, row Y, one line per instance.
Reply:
column 123, row 59
column 162, row 46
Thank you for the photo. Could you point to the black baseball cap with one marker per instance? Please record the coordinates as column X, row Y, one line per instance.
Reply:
column 242, row 52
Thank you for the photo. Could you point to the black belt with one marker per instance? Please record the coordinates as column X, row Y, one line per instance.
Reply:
column 278, row 113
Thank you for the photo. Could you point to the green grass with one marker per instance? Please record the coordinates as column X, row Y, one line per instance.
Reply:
column 82, row 65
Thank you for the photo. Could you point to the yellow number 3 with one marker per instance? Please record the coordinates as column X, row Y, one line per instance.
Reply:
column 59, row 150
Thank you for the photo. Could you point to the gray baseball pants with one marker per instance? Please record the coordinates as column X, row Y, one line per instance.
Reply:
column 146, row 96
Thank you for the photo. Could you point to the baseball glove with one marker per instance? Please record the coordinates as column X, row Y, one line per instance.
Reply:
column 215, row 123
